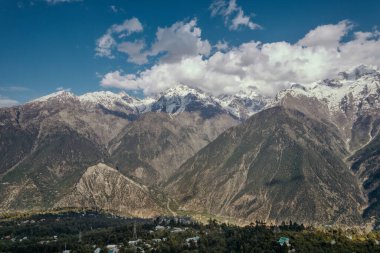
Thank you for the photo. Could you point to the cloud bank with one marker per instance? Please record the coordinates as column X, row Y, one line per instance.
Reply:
column 320, row 54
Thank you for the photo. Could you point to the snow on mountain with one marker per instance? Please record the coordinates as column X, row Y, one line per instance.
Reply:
column 356, row 73
column 173, row 100
column 359, row 87
column 243, row 104
column 183, row 98
column 109, row 100
column 59, row 95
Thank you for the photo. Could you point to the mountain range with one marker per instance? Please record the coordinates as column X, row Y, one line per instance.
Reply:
column 310, row 153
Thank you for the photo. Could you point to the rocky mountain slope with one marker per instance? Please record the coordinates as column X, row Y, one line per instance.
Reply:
column 366, row 165
column 279, row 164
column 48, row 143
column 151, row 148
column 105, row 188
column 351, row 102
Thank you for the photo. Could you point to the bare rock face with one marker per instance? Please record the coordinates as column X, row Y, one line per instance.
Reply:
column 351, row 102
column 48, row 143
column 54, row 163
column 278, row 165
column 366, row 165
column 102, row 187
column 153, row 147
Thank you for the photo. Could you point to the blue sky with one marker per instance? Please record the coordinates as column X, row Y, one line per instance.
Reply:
column 52, row 44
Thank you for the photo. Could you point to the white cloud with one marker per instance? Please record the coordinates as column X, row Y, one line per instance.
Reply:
column 107, row 42
column 134, row 51
column 326, row 35
column 268, row 66
column 242, row 20
column 105, row 45
column 180, row 40
column 118, row 80
column 233, row 15
column 129, row 26
column 222, row 46
column 7, row 102
column 61, row 1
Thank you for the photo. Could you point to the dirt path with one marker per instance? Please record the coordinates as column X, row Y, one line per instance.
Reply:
column 168, row 206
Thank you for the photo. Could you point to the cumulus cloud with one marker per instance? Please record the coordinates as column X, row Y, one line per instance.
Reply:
column 326, row 35
column 233, row 15
column 7, row 102
column 180, row 40
column 269, row 67
column 106, row 43
column 134, row 51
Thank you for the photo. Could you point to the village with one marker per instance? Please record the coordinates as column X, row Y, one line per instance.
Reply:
column 88, row 231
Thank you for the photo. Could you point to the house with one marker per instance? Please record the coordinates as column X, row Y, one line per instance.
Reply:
column 284, row 240
column 177, row 230
column 159, row 227
column 112, row 248
column 23, row 239
column 194, row 239
column 134, row 242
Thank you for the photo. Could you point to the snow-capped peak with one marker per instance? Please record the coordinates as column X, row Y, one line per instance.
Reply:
column 182, row 91
column 102, row 97
column 360, row 85
column 357, row 72
column 61, row 95
column 181, row 98
column 173, row 100
column 244, row 103
column 115, row 101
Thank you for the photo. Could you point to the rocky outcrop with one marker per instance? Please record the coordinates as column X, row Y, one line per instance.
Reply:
column 102, row 187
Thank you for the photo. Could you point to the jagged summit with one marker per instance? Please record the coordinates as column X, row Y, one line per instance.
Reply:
column 59, row 95
column 173, row 100
column 182, row 91
column 359, row 71
column 359, row 86
column 109, row 100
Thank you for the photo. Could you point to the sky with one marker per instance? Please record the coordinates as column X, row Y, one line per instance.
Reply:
column 145, row 47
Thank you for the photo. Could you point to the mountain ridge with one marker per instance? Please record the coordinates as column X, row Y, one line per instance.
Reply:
column 242, row 155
